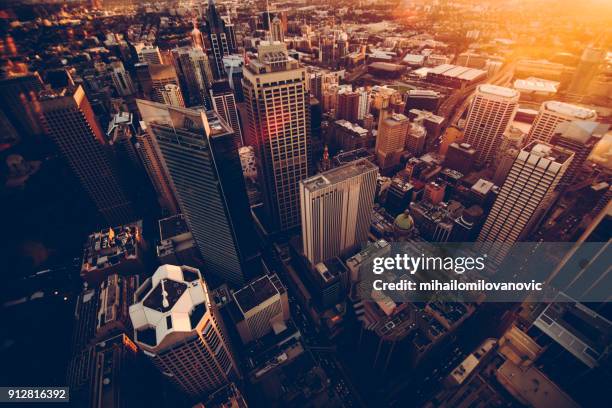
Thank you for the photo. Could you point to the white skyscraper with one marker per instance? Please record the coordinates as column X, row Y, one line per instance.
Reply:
column 149, row 54
column 178, row 327
column 553, row 113
column 336, row 208
column 490, row 115
column 278, row 127
column 525, row 194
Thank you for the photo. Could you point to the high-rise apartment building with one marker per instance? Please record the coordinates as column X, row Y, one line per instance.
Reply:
column 551, row 114
column 528, row 188
column 278, row 126
column 416, row 138
column 179, row 328
column 71, row 123
column 224, row 103
column 348, row 105
column 336, row 208
column 489, row 116
column 201, row 157
column 391, row 138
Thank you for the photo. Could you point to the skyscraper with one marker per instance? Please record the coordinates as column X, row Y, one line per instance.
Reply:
column 525, row 194
column 147, row 149
column 171, row 95
column 71, row 123
column 490, row 115
column 162, row 75
column 149, row 54
column 279, row 128
column 224, row 103
column 391, row 138
column 336, row 208
column 551, row 114
column 221, row 36
column 590, row 61
column 201, row 157
column 197, row 73
column 18, row 97
column 276, row 31
column 348, row 105
column 579, row 137
column 121, row 79
column 179, row 328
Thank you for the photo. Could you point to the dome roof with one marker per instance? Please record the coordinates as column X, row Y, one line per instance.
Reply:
column 404, row 221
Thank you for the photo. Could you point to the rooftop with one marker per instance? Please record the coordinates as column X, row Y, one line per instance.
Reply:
column 172, row 226
column 568, row 109
column 257, row 292
column 338, row 174
column 174, row 299
column 498, row 91
column 455, row 71
column 553, row 153
column 107, row 248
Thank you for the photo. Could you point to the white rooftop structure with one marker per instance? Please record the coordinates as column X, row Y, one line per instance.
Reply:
column 170, row 301
column 536, row 85
column 570, row 110
column 498, row 90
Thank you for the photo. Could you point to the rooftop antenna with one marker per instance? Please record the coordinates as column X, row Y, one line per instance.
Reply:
column 269, row 23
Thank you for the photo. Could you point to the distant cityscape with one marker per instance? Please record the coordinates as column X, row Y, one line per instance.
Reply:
column 194, row 191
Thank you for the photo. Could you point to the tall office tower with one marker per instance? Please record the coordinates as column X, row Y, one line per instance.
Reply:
column 262, row 307
column 180, row 329
column 580, row 279
column 415, row 139
column 391, row 138
column 503, row 165
column 278, row 126
column 201, row 157
column 18, row 98
column 221, row 38
column 147, row 149
column 70, row 121
column 224, row 104
column 579, row 137
column 276, row 31
column 233, row 69
column 336, row 208
column 197, row 73
column 162, row 75
column 592, row 58
column 342, row 45
column 511, row 139
column 364, row 102
column 460, row 157
column 197, row 40
column 348, row 105
column 490, row 115
column 150, row 55
column 171, row 95
column 551, row 114
column 121, row 79
column 525, row 194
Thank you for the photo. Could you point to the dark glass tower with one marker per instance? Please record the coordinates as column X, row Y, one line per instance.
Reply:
column 222, row 38
column 200, row 154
